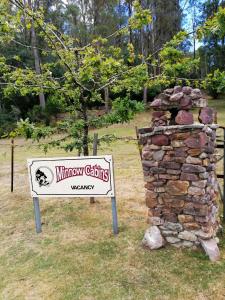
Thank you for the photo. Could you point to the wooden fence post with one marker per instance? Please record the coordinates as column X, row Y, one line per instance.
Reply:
column 95, row 152
column 12, row 165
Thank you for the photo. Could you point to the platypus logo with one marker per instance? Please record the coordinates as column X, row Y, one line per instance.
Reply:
column 44, row 176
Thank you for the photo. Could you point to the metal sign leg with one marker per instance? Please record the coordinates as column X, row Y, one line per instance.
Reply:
column 114, row 216
column 37, row 214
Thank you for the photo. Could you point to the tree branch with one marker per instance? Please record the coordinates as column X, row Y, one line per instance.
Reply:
column 22, row 7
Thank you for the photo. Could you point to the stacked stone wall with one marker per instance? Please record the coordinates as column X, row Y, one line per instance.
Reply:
column 178, row 159
column 180, row 182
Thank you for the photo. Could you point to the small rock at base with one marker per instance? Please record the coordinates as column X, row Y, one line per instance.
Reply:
column 173, row 226
column 153, row 238
column 172, row 240
column 188, row 236
column 155, row 221
column 211, row 249
column 188, row 244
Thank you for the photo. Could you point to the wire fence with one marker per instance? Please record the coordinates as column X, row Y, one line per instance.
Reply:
column 27, row 146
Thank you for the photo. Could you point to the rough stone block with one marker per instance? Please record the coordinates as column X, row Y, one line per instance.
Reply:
column 187, row 90
column 157, row 103
column 200, row 183
column 204, row 175
column 184, row 118
column 172, row 240
column 158, row 155
column 151, row 202
column 153, row 238
column 194, row 152
column 169, row 233
column 192, row 142
column 189, row 177
column 177, row 204
column 204, row 235
column 158, row 114
column 156, row 170
column 170, row 165
column 211, row 249
column 196, row 94
column 206, row 162
column 149, row 163
column 193, row 160
column 180, row 136
column 155, row 221
column 169, row 91
column 203, row 139
column 191, row 226
column 159, row 190
column 160, row 140
column 189, row 168
column 207, row 115
column 177, row 89
column 185, row 218
column 188, row 244
column 173, row 172
column 177, row 144
column 188, row 236
column 153, row 147
column 185, row 103
column 176, row 97
column 168, row 176
column 173, row 226
column 189, row 209
column 177, row 187
column 149, row 178
column 170, row 216
column 196, row 191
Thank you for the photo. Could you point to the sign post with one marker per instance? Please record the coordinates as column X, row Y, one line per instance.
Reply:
column 114, row 215
column 37, row 214
column 90, row 176
column 12, row 165
column 95, row 152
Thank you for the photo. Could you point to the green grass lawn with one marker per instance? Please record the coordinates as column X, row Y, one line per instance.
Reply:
column 77, row 257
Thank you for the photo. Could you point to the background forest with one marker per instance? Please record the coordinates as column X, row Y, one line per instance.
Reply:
column 119, row 62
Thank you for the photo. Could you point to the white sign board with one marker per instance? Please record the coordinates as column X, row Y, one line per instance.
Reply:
column 72, row 176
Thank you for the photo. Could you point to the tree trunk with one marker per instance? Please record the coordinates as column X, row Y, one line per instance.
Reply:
column 36, row 58
column 194, row 28
column 85, row 130
column 130, row 15
column 145, row 95
column 145, row 89
column 106, row 96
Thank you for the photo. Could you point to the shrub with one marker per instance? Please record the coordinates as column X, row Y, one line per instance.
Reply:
column 8, row 120
column 214, row 83
column 37, row 114
column 55, row 104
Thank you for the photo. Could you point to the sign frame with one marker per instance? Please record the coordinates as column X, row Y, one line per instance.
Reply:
column 36, row 204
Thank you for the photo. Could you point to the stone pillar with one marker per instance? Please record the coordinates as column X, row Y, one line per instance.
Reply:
column 179, row 172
